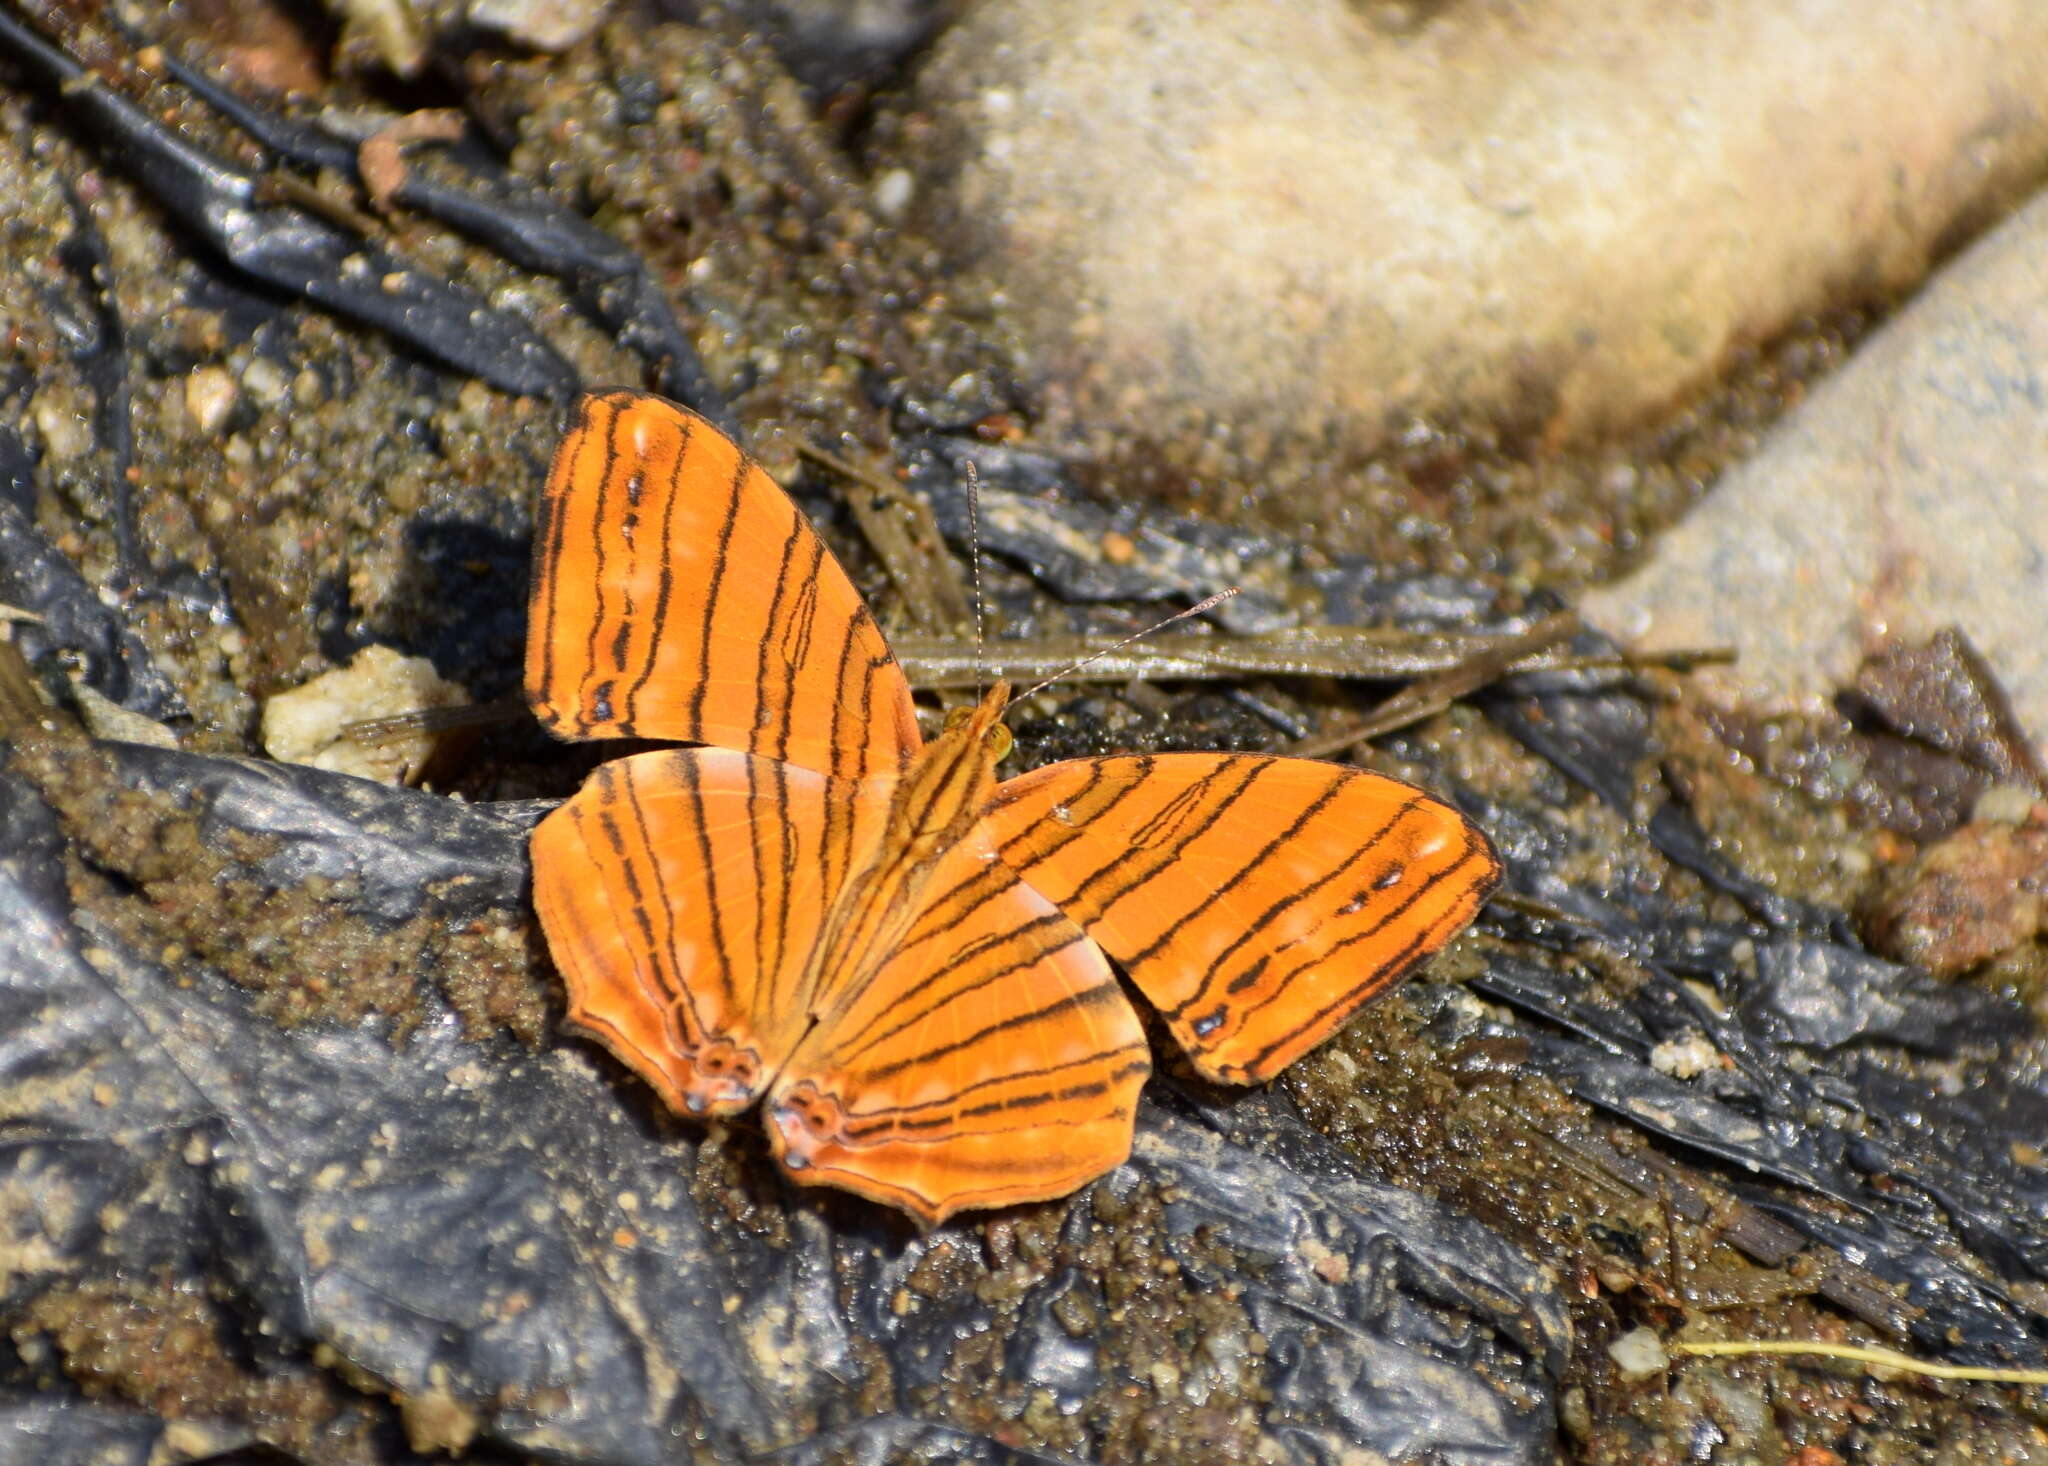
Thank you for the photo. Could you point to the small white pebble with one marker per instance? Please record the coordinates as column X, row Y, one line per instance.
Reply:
column 1639, row 1354
column 62, row 419
column 893, row 191
column 266, row 381
column 2006, row 804
column 210, row 396
column 1685, row 1057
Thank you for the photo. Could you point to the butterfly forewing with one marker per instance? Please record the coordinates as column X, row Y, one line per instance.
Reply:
column 680, row 893
column 988, row 1058
column 1257, row 902
column 679, row 594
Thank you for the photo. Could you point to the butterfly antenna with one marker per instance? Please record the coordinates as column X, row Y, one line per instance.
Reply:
column 974, row 560
column 1109, row 651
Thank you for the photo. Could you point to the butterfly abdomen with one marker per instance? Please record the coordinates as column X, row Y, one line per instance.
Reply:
column 933, row 810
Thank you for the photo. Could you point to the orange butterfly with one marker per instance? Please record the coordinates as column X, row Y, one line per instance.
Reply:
column 901, row 958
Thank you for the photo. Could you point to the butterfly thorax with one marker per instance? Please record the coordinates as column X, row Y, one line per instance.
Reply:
column 938, row 800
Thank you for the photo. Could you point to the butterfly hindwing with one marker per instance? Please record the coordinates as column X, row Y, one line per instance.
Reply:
column 679, row 594
column 989, row 1058
column 1258, row 902
column 680, row 893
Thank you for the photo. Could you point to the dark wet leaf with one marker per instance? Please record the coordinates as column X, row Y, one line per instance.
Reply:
column 71, row 619
column 288, row 248
column 488, row 203
column 1828, row 995
column 1081, row 551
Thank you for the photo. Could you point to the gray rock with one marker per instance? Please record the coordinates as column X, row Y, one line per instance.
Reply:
column 1910, row 492
column 1562, row 214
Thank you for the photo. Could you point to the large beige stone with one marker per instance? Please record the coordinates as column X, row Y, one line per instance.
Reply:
column 1557, row 213
column 1910, row 492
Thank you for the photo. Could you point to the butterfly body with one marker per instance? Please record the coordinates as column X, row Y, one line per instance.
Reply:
column 933, row 806
column 898, row 956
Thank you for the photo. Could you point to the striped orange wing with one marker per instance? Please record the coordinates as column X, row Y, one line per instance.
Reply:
column 989, row 1058
column 1257, row 902
column 679, row 594
column 680, row 892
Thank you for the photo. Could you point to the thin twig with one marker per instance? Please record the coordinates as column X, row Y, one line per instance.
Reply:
column 1432, row 695
column 1864, row 1354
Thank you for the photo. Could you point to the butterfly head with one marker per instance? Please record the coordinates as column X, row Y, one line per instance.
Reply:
column 983, row 723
